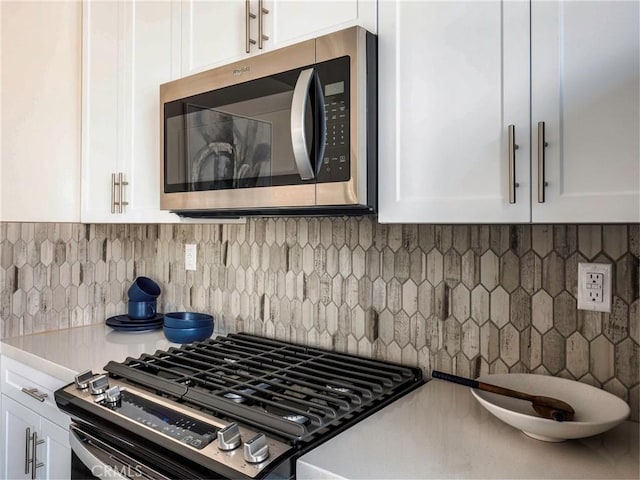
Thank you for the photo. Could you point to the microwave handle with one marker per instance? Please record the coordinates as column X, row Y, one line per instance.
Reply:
column 298, row 134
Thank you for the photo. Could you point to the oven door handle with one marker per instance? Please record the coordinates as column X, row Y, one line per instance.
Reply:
column 95, row 454
column 298, row 124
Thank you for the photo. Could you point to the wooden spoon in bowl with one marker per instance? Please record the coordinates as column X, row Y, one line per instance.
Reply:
column 546, row 407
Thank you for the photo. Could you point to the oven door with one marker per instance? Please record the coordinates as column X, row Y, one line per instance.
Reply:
column 95, row 458
column 101, row 452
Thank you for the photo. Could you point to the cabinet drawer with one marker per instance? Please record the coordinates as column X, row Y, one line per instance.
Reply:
column 17, row 376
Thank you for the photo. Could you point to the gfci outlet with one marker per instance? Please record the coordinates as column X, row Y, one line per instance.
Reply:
column 190, row 255
column 594, row 286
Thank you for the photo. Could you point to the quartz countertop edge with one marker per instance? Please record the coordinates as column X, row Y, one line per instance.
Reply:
column 65, row 353
column 440, row 431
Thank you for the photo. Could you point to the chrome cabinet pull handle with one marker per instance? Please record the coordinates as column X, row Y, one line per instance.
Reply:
column 122, row 203
column 34, row 455
column 117, row 208
column 261, row 13
column 27, row 460
column 298, row 134
column 542, row 144
column 33, row 392
column 247, row 35
column 113, row 193
column 247, row 27
column 512, row 163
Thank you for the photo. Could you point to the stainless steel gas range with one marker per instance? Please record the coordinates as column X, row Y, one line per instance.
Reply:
column 239, row 406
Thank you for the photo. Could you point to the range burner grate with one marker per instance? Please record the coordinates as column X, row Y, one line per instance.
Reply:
column 292, row 390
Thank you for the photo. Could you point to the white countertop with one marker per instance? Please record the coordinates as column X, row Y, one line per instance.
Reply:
column 437, row 431
column 64, row 353
column 440, row 431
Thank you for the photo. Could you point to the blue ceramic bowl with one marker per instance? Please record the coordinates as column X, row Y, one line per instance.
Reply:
column 187, row 335
column 143, row 289
column 187, row 320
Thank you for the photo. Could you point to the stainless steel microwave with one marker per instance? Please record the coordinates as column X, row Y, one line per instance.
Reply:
column 288, row 132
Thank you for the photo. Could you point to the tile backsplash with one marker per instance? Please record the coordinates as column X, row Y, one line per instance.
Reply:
column 465, row 299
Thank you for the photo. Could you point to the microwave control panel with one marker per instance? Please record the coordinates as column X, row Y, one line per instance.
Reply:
column 334, row 76
column 335, row 162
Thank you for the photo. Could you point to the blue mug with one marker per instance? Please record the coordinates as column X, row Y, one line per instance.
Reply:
column 143, row 289
column 142, row 310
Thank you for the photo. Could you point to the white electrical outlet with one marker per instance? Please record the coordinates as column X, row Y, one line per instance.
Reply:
column 190, row 256
column 594, row 286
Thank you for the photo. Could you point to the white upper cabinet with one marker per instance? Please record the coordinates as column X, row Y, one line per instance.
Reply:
column 452, row 76
column 40, row 61
column 458, row 132
column 218, row 32
column 586, row 89
column 128, row 53
column 295, row 20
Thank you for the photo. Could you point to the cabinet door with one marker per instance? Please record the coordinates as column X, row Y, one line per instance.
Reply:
column 18, row 378
column 55, row 452
column 18, row 424
column 215, row 32
column 102, row 90
column 452, row 77
column 585, row 88
column 128, row 54
column 295, row 21
column 40, row 61
column 146, row 63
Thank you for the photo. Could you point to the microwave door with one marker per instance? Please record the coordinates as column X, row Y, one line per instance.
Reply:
column 233, row 147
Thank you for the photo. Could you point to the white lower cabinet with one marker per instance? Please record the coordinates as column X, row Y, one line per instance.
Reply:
column 57, row 452
column 22, row 427
column 35, row 435
column 19, row 425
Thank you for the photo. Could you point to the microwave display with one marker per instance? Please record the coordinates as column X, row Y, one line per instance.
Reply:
column 334, row 89
column 241, row 136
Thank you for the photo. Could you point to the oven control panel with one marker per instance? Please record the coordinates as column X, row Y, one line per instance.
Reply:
column 244, row 450
column 178, row 426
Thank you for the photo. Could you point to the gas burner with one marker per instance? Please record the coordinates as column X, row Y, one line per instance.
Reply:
column 300, row 419
column 340, row 389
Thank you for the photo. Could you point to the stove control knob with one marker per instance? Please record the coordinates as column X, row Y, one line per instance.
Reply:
column 98, row 385
column 112, row 395
column 229, row 437
column 256, row 450
column 82, row 379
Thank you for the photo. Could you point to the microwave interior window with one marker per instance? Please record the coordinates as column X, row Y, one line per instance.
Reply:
column 240, row 136
column 226, row 149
